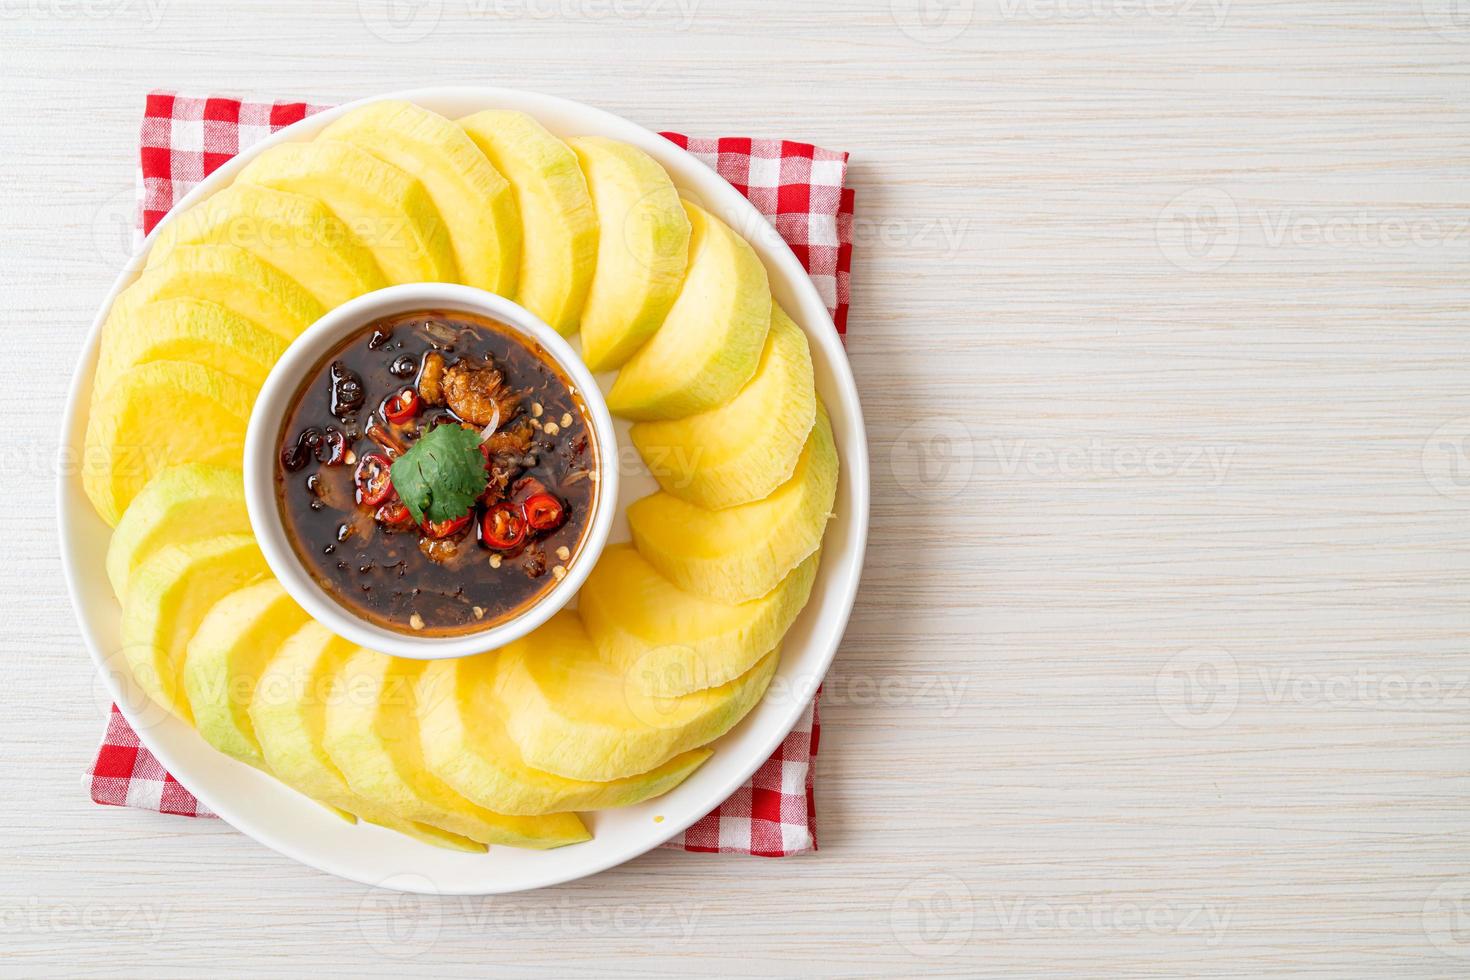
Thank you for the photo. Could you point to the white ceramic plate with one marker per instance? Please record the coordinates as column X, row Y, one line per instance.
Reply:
column 280, row 818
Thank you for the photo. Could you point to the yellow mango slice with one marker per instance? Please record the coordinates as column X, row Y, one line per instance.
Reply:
column 223, row 662
column 288, row 710
column 185, row 329
column 578, row 717
column 155, row 415
column 230, row 277
column 474, row 200
column 642, row 249
column 180, row 504
column 559, row 249
column 298, row 235
column 741, row 553
column 388, row 210
column 465, row 744
column 372, row 735
column 170, row 595
column 746, row 448
column 671, row 642
column 710, row 342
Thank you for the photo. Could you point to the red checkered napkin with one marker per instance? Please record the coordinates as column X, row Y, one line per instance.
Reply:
column 797, row 186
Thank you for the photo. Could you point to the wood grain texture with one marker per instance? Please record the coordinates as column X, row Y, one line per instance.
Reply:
column 1160, row 319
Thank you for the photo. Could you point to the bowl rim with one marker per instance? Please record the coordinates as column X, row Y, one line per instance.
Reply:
column 277, row 395
column 248, row 800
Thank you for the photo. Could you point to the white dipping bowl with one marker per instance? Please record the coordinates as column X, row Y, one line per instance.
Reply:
column 262, row 457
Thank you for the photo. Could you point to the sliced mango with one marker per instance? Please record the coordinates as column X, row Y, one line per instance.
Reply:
column 180, row 504
column 223, row 662
column 710, row 342
column 155, row 415
column 465, row 743
column 474, row 200
column 559, row 249
column 287, row 710
column 746, row 448
column 297, row 234
column 671, row 642
column 372, row 735
column 170, row 595
column 578, row 717
column 230, row 277
column 642, row 249
column 741, row 553
column 185, row 329
column 387, row 210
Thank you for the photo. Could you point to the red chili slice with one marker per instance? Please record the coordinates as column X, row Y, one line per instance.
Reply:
column 374, row 479
column 544, row 512
column 401, row 407
column 503, row 527
column 443, row 529
column 394, row 514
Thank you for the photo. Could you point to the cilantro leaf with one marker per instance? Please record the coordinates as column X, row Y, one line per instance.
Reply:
column 441, row 475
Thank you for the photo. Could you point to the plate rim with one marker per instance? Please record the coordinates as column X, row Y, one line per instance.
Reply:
column 773, row 250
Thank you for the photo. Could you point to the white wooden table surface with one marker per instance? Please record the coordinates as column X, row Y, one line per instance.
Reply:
column 1160, row 664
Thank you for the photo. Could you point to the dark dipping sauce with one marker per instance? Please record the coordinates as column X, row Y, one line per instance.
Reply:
column 367, row 403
